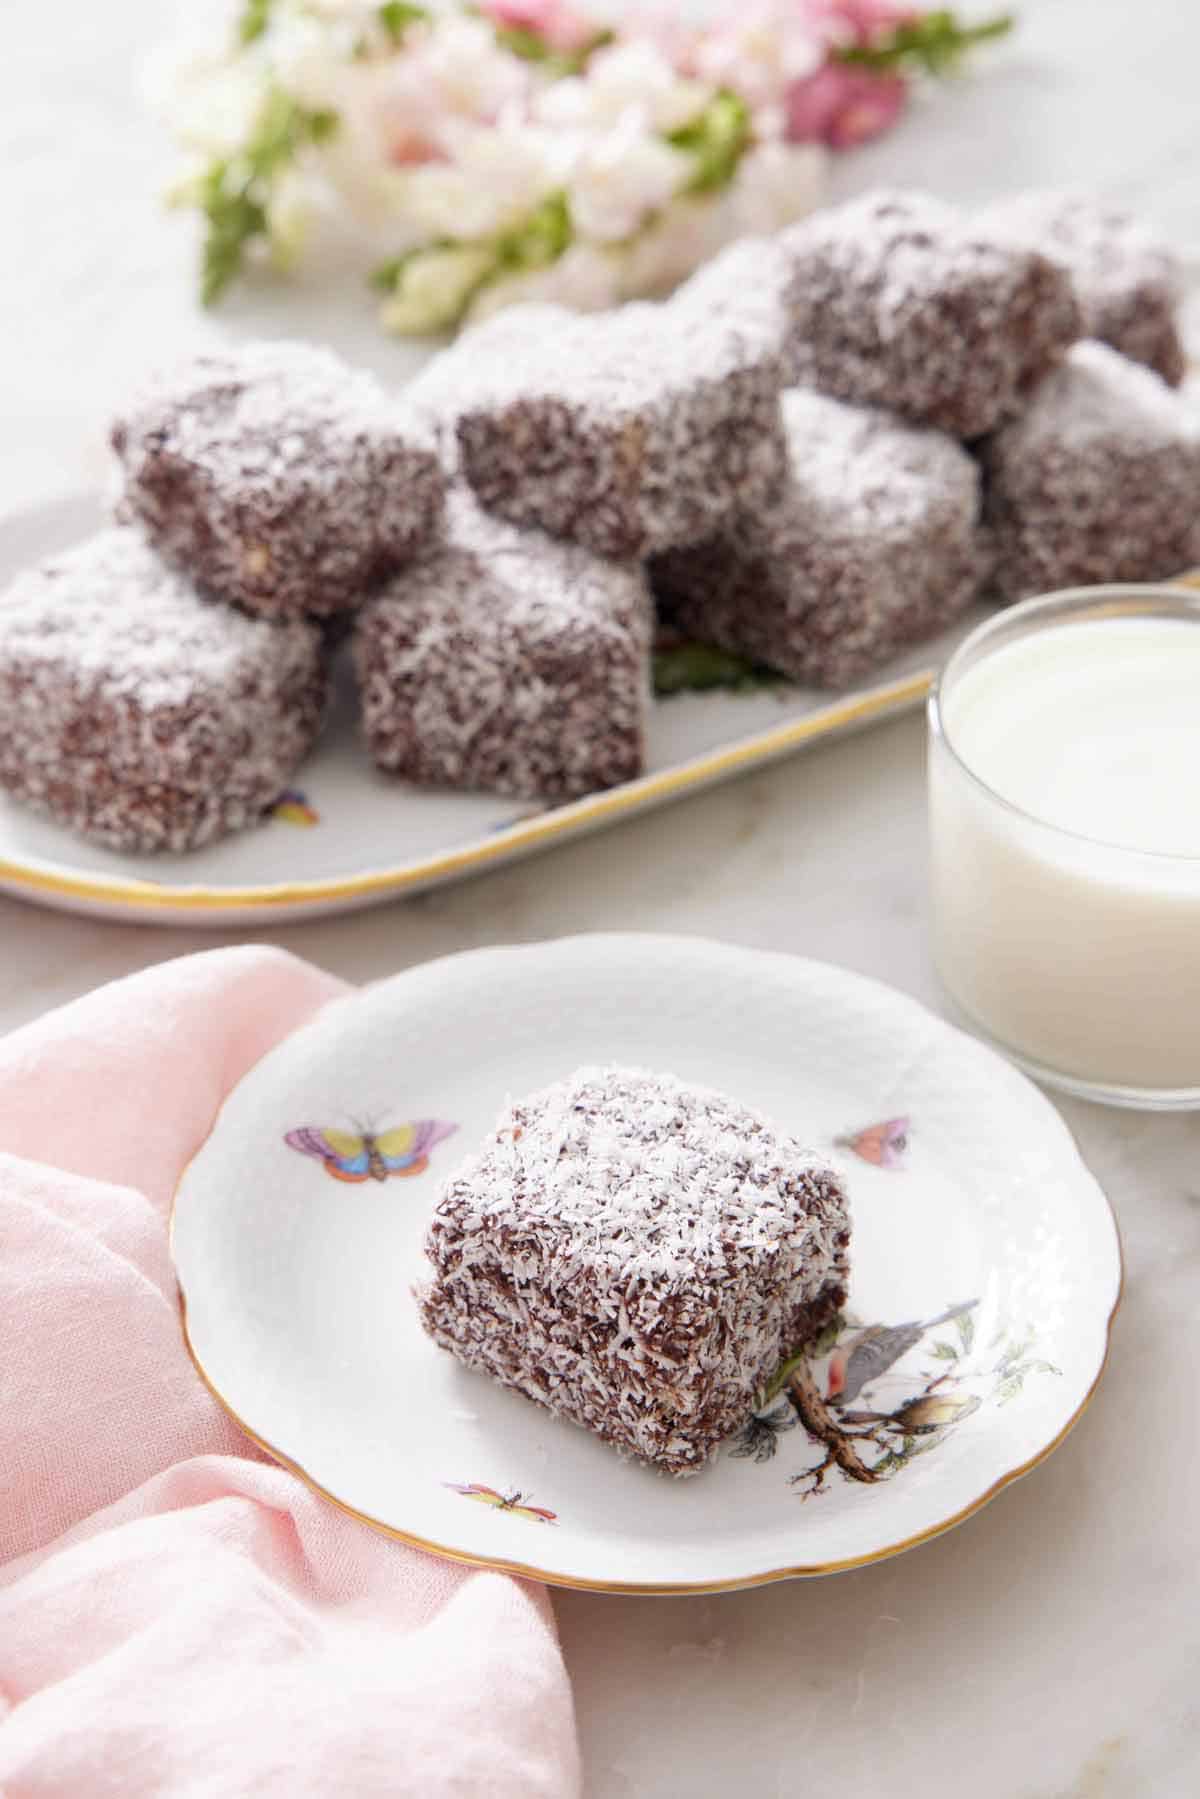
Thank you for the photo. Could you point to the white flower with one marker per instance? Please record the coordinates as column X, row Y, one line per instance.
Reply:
column 497, row 176
column 210, row 100
column 584, row 278
column 629, row 77
column 775, row 185
column 433, row 288
column 290, row 214
column 305, row 61
column 620, row 179
column 460, row 63
column 761, row 53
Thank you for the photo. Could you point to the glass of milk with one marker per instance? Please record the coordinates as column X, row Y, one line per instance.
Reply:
column 1064, row 794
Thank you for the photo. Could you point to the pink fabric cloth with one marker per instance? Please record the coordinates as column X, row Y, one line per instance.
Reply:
column 178, row 1616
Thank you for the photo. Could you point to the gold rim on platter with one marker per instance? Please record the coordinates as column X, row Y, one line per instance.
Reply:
column 532, row 834
column 649, row 1589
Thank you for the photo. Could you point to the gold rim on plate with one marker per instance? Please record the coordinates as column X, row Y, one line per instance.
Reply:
column 649, row 1589
column 597, row 809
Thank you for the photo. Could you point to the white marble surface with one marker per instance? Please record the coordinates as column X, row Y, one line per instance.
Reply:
column 1050, row 1648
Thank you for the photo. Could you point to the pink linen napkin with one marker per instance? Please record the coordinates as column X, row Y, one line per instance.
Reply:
column 178, row 1616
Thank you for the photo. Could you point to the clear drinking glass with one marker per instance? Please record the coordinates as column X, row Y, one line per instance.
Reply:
column 1079, row 957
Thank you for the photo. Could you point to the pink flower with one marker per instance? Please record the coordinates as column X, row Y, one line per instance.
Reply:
column 843, row 106
column 557, row 24
column 858, row 21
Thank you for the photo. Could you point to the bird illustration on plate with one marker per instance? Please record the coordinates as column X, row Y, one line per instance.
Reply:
column 877, row 1439
column 504, row 1502
column 883, row 1144
column 365, row 1155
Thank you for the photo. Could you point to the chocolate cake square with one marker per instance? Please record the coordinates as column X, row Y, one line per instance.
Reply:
column 1128, row 285
column 1098, row 481
column 873, row 544
column 628, row 432
column 504, row 660
column 638, row 1255
column 277, row 477
column 138, row 713
column 900, row 301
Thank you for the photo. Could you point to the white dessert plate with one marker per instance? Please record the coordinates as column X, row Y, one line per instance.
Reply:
column 986, row 1266
column 346, row 836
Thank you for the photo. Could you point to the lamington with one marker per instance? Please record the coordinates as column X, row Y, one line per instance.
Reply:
column 629, row 432
column 140, row 714
column 1129, row 286
column 1098, row 481
column 457, row 378
column 874, row 544
column 638, row 1255
column 507, row 661
column 277, row 477
column 898, row 300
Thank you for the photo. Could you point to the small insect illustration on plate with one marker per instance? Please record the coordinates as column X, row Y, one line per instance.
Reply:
column 292, row 808
column 504, row 1502
column 883, row 1145
column 366, row 1155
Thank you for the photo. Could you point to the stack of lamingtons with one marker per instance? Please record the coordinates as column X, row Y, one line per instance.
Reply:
column 820, row 450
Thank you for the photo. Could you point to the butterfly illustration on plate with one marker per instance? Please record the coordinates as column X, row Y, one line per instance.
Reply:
column 505, row 1502
column 366, row 1155
column 883, row 1145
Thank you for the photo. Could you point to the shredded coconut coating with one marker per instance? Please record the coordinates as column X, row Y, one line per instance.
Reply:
column 638, row 1255
column 899, row 301
column 504, row 660
column 629, row 431
column 277, row 477
column 747, row 285
column 457, row 378
column 1129, row 286
column 1099, row 481
column 140, row 714
column 874, row 544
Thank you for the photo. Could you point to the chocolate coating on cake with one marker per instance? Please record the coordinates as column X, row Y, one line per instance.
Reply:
column 638, row 1255
column 1098, row 481
column 873, row 544
column 458, row 377
column 141, row 715
column 277, row 477
column 899, row 301
column 1129, row 286
column 505, row 660
column 629, row 431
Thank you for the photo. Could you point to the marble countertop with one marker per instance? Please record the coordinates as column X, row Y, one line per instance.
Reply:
column 1050, row 1647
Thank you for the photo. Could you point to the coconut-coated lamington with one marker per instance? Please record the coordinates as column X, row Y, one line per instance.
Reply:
column 630, row 431
column 505, row 660
column 138, row 713
column 638, row 1255
column 874, row 544
column 1098, row 481
column 277, row 477
column 1129, row 286
column 898, row 300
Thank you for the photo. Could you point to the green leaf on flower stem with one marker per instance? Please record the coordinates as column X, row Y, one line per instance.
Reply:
column 966, row 1330
column 934, row 42
column 945, row 1352
column 716, row 139
column 1009, row 1389
column 697, row 668
column 234, row 192
column 539, row 239
column 531, row 46
column 397, row 15
column 255, row 17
